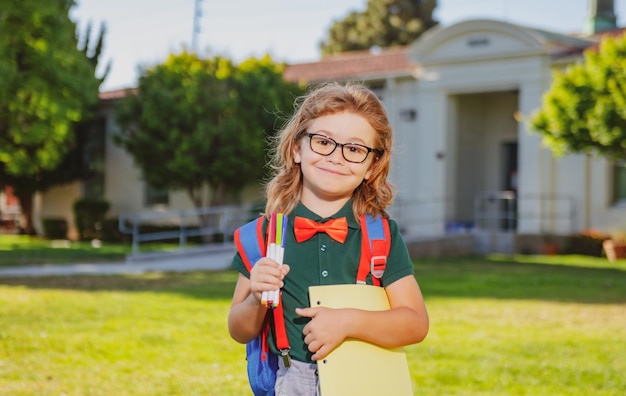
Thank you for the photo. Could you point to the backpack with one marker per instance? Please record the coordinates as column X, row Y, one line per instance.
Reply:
column 250, row 241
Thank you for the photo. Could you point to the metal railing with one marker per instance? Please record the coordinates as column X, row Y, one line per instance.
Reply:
column 507, row 211
column 185, row 224
column 501, row 211
column 420, row 216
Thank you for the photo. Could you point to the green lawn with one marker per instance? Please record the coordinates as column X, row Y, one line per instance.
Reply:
column 499, row 326
column 17, row 250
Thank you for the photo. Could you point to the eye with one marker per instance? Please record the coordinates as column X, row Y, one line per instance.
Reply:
column 323, row 141
column 355, row 148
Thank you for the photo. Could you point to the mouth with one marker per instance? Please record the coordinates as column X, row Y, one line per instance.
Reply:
column 331, row 171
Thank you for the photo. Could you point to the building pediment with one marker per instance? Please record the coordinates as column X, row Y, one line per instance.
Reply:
column 484, row 39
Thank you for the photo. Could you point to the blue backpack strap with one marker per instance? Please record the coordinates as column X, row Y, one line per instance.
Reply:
column 250, row 242
column 375, row 246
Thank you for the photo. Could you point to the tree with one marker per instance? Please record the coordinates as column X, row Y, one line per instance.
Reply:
column 203, row 122
column 93, row 53
column 47, row 85
column 384, row 23
column 585, row 109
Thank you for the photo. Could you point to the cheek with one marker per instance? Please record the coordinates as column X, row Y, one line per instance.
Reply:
column 370, row 171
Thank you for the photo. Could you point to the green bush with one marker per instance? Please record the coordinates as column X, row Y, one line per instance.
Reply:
column 54, row 228
column 112, row 233
column 588, row 243
column 89, row 214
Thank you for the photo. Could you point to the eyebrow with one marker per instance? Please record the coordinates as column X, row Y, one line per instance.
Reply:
column 330, row 135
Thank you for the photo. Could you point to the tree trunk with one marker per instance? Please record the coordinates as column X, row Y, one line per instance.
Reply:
column 218, row 195
column 26, row 206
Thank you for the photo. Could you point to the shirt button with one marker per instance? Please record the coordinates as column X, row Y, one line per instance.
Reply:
column 324, row 273
column 323, row 248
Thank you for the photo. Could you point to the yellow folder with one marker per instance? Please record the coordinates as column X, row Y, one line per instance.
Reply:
column 357, row 367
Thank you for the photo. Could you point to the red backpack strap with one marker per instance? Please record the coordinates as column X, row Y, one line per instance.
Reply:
column 282, row 342
column 250, row 243
column 375, row 246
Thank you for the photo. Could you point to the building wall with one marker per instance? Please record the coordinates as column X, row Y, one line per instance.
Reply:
column 57, row 203
column 463, row 127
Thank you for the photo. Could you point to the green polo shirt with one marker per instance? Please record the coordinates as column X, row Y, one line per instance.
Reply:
column 323, row 261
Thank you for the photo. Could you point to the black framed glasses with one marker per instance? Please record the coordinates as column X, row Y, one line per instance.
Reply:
column 352, row 152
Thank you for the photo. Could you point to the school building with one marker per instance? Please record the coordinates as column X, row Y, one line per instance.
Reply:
column 465, row 162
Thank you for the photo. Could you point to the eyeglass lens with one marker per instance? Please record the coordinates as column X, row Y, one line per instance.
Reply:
column 352, row 152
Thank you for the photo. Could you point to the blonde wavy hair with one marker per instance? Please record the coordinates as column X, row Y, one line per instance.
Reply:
column 284, row 189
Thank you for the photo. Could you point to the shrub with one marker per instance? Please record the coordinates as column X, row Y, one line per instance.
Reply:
column 89, row 214
column 588, row 243
column 54, row 228
column 112, row 233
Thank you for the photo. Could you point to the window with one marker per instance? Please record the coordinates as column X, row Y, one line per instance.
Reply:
column 93, row 145
column 619, row 182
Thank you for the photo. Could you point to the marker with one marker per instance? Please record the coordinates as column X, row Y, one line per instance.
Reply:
column 267, row 297
column 275, row 251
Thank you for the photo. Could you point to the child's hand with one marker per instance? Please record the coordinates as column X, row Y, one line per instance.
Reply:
column 325, row 331
column 266, row 275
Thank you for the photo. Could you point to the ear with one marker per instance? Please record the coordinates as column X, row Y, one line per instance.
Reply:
column 296, row 154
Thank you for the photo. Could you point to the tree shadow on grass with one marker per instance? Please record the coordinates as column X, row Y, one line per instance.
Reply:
column 509, row 279
column 466, row 277
column 200, row 284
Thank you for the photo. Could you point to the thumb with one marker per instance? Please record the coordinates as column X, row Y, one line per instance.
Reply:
column 306, row 312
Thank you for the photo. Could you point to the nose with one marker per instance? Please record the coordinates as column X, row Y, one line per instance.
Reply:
column 337, row 154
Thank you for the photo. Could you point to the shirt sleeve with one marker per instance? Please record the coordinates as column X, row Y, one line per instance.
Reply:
column 399, row 263
column 238, row 265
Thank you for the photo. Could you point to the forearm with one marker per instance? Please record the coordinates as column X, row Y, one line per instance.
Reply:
column 245, row 319
column 396, row 327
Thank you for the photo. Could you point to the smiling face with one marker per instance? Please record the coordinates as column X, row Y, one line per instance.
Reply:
column 329, row 181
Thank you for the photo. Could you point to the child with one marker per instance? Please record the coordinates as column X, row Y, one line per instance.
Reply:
column 331, row 162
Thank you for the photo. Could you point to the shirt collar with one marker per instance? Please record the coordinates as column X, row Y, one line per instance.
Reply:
column 345, row 211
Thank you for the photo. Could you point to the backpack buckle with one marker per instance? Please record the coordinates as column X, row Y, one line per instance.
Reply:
column 286, row 357
column 377, row 266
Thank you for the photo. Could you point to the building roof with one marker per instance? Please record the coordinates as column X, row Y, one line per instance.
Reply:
column 116, row 94
column 393, row 62
column 614, row 33
column 354, row 65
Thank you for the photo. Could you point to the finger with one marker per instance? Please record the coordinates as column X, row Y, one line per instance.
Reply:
column 266, row 262
column 314, row 346
column 319, row 354
column 267, row 274
column 306, row 312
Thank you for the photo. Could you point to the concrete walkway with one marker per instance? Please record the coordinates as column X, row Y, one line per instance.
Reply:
column 195, row 261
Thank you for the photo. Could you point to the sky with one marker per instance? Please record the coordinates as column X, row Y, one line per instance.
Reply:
column 143, row 33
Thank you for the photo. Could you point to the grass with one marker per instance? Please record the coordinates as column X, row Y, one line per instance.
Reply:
column 17, row 250
column 513, row 328
column 499, row 326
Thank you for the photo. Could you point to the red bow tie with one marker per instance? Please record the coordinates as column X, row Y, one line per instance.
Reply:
column 304, row 228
